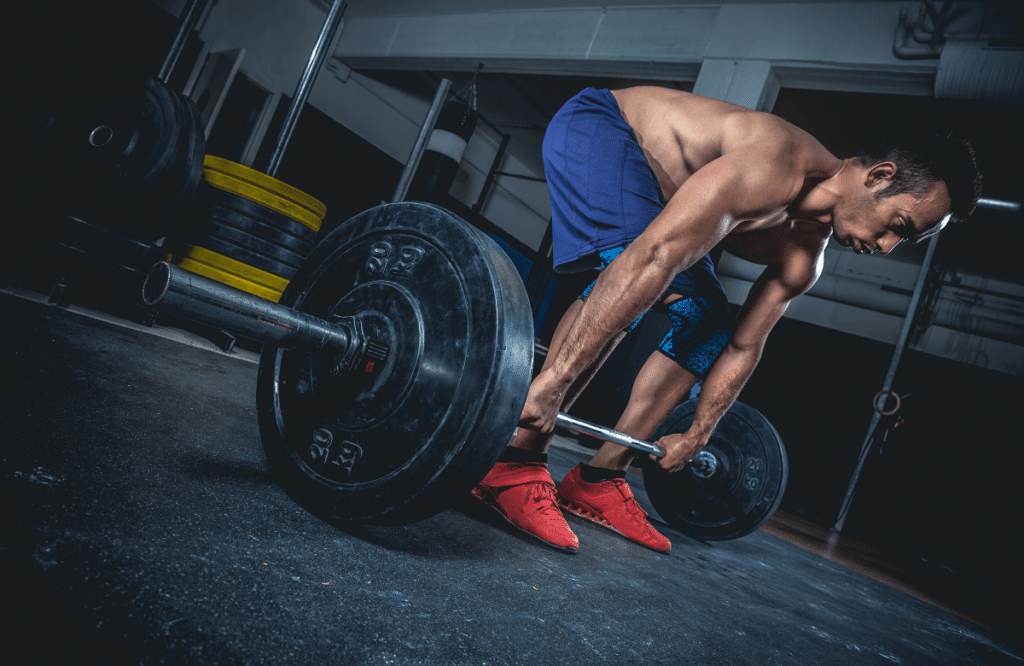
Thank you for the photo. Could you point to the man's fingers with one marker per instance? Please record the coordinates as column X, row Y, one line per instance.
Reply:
column 531, row 423
column 668, row 465
column 537, row 424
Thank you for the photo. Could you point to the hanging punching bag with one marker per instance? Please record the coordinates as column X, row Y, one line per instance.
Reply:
column 440, row 161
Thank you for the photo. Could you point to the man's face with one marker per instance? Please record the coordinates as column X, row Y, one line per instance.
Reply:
column 867, row 224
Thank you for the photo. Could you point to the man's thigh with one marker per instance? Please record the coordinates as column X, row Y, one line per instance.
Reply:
column 700, row 327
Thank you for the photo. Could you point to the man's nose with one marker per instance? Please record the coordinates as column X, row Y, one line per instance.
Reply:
column 887, row 242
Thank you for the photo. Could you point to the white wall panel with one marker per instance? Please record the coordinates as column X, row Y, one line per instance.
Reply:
column 827, row 40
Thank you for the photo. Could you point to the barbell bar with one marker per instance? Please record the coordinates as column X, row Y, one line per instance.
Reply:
column 704, row 462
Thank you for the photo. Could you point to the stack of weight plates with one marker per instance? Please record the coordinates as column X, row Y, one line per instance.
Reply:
column 129, row 159
column 248, row 230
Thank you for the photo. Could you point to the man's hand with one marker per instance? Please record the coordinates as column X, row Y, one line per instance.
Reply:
column 543, row 402
column 679, row 448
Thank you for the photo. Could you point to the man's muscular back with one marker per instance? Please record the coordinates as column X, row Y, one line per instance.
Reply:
column 681, row 133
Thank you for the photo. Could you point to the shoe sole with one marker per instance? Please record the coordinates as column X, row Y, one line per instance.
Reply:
column 487, row 499
column 597, row 519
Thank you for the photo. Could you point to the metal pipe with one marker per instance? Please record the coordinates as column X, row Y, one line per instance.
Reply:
column 489, row 181
column 978, row 290
column 316, row 58
column 997, row 317
column 607, row 434
column 188, row 24
column 997, row 204
column 703, row 461
column 195, row 297
column 421, row 141
column 521, row 176
column 901, row 344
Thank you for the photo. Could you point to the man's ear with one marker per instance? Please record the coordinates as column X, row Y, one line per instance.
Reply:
column 880, row 175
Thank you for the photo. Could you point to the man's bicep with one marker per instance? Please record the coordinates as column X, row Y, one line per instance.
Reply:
column 766, row 303
column 773, row 291
column 700, row 212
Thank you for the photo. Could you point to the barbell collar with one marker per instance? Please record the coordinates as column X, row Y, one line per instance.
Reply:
column 704, row 464
column 180, row 292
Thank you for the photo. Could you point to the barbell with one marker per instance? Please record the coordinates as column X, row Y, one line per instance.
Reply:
column 396, row 366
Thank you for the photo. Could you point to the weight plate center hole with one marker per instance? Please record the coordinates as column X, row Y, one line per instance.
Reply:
column 100, row 136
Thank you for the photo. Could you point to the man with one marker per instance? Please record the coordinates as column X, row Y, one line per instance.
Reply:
column 644, row 183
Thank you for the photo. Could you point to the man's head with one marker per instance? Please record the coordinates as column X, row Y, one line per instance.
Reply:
column 907, row 190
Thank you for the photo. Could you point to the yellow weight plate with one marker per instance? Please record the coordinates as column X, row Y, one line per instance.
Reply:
column 261, row 188
column 226, row 270
column 269, row 183
column 227, row 264
column 206, row 270
column 262, row 197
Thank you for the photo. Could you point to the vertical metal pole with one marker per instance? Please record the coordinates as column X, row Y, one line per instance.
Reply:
column 486, row 189
column 421, row 141
column 188, row 23
column 316, row 58
column 901, row 344
column 1010, row 206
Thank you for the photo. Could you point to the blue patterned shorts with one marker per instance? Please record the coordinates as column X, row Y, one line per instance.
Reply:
column 700, row 327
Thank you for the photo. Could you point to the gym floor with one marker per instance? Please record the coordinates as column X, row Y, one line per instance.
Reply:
column 140, row 525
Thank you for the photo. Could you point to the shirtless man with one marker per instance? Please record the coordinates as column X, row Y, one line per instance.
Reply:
column 644, row 183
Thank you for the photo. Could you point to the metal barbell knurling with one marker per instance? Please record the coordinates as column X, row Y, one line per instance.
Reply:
column 704, row 462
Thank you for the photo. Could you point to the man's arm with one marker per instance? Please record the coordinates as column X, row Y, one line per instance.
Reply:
column 768, row 299
column 709, row 204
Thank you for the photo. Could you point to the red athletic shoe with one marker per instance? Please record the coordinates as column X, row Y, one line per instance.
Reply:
column 610, row 504
column 524, row 494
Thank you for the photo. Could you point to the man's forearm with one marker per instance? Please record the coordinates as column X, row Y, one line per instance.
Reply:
column 625, row 290
column 721, row 388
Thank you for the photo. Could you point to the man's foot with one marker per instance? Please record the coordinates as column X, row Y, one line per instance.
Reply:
column 610, row 504
column 524, row 494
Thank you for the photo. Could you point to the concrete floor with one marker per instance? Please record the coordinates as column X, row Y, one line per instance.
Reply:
column 140, row 526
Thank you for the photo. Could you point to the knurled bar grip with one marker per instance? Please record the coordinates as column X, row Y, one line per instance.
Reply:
column 607, row 434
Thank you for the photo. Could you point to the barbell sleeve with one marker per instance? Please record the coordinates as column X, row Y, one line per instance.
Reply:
column 185, row 294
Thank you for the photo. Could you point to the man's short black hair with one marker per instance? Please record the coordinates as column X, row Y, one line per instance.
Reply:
column 922, row 160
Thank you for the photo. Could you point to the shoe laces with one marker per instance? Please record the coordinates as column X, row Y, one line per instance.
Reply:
column 544, row 495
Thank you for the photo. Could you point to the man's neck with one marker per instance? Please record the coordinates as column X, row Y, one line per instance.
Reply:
column 820, row 194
